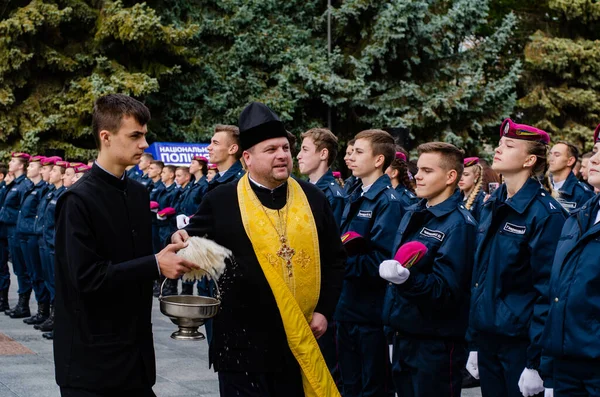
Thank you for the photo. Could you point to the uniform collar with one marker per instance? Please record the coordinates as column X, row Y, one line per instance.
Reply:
column 326, row 180
column 445, row 207
column 569, row 184
column 234, row 169
column 520, row 201
column 99, row 172
column 19, row 179
column 382, row 183
column 41, row 183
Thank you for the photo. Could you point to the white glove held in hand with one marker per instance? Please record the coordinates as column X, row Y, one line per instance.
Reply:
column 472, row 365
column 549, row 393
column 530, row 383
column 393, row 271
column 182, row 221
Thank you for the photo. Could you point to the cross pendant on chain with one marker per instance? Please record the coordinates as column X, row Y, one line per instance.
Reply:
column 286, row 253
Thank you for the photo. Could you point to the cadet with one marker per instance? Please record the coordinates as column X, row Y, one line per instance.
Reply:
column 158, row 188
column 144, row 166
column 374, row 213
column 571, row 331
column 398, row 173
column 47, row 252
column 8, row 216
column 517, row 236
column 351, row 182
column 4, row 272
column 318, row 151
column 225, row 152
column 190, row 199
column 470, row 185
column 572, row 193
column 428, row 305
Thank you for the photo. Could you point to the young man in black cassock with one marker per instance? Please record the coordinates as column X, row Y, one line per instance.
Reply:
column 105, row 265
column 282, row 288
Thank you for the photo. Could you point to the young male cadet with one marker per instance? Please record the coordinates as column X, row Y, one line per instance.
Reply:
column 573, row 194
column 225, row 152
column 281, row 289
column 9, row 215
column 105, row 266
column 318, row 151
column 144, row 167
column 428, row 305
column 373, row 212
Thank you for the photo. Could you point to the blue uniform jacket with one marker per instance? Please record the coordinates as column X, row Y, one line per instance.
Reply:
column 3, row 191
column 573, row 326
column 334, row 193
column 12, row 203
column 434, row 301
column 477, row 204
column 157, row 190
column 375, row 215
column 146, row 181
column 516, row 241
column 49, row 216
column 190, row 199
column 350, row 184
column 38, row 224
column 29, row 206
column 406, row 197
column 573, row 194
column 232, row 174
column 134, row 173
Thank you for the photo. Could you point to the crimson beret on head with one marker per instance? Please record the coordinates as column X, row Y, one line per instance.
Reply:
column 81, row 168
column 37, row 158
column 75, row 164
column 64, row 164
column 469, row 161
column 200, row 158
column 513, row 130
column 51, row 160
column 258, row 123
column 212, row 167
column 21, row 155
column 596, row 134
column 400, row 156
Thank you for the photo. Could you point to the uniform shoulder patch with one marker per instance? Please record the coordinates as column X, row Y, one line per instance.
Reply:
column 550, row 203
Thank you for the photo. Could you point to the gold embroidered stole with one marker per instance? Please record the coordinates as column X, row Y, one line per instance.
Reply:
column 296, row 291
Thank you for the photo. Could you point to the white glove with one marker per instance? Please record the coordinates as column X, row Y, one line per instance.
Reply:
column 155, row 210
column 530, row 383
column 160, row 218
column 472, row 365
column 393, row 271
column 391, row 350
column 548, row 392
column 182, row 221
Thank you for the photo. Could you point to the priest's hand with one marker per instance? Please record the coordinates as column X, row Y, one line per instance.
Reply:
column 171, row 265
column 318, row 324
column 180, row 236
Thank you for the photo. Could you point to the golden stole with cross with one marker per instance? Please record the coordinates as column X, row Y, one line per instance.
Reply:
column 286, row 245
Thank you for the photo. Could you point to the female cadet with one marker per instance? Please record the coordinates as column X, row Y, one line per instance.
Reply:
column 398, row 173
column 519, row 229
column 470, row 185
column 571, row 331
column 57, row 176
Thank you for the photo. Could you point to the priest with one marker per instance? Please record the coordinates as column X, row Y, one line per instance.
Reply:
column 282, row 285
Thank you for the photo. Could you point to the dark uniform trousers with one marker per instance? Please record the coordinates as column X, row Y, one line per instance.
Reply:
column 576, row 378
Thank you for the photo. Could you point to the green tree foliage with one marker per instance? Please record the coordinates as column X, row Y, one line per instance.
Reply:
column 561, row 84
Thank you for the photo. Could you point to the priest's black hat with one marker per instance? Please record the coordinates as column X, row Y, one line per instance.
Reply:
column 258, row 123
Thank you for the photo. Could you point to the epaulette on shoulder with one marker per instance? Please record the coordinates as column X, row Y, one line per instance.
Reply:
column 391, row 193
column 583, row 186
column 550, row 203
column 467, row 215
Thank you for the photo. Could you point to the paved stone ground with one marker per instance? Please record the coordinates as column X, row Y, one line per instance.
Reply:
column 27, row 366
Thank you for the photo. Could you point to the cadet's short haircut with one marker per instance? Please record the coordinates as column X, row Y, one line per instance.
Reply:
column 324, row 139
column 184, row 169
column 171, row 168
column 109, row 111
column 452, row 157
column 234, row 133
column 160, row 164
column 148, row 156
column 572, row 150
column 587, row 155
column 382, row 143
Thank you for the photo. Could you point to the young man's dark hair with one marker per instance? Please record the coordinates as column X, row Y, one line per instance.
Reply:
column 452, row 157
column 148, row 156
column 324, row 139
column 381, row 143
column 234, row 133
column 109, row 111
column 572, row 151
column 158, row 163
column 171, row 168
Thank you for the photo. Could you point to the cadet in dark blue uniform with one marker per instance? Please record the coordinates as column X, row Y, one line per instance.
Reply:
column 374, row 213
column 572, row 193
column 198, row 186
column 428, row 305
column 158, row 188
column 46, row 241
column 225, row 152
column 144, row 168
column 471, row 183
column 29, row 240
column 517, row 236
column 351, row 182
column 571, row 331
column 318, row 151
column 398, row 173
column 8, row 216
column 4, row 272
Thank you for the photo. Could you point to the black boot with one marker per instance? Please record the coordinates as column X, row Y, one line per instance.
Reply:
column 187, row 289
column 48, row 335
column 4, row 300
column 42, row 314
column 48, row 324
column 22, row 308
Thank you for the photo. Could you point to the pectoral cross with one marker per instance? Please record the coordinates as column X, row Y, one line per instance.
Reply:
column 286, row 253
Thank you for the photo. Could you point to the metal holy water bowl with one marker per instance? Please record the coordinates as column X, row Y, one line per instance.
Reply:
column 189, row 312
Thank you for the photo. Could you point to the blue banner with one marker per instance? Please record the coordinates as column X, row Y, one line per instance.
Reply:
column 179, row 154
